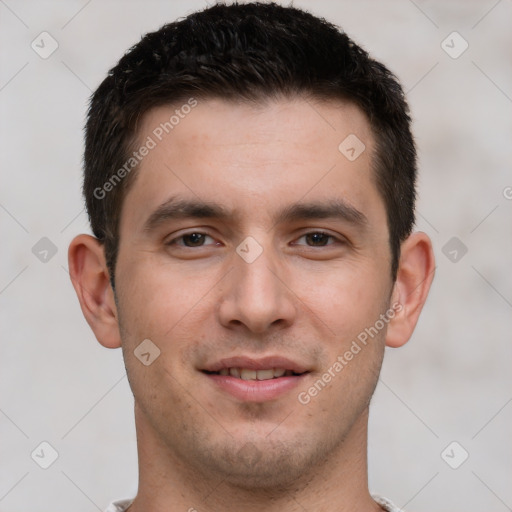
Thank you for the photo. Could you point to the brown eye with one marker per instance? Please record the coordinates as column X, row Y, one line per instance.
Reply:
column 193, row 239
column 317, row 239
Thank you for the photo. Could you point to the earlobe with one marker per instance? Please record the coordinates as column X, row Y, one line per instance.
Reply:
column 415, row 275
column 90, row 278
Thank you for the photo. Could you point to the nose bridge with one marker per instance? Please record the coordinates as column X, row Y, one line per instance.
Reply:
column 257, row 273
column 256, row 297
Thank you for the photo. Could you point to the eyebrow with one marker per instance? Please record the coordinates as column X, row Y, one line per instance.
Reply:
column 176, row 208
column 180, row 208
column 333, row 208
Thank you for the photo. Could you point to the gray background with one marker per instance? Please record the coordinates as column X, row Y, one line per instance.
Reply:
column 452, row 382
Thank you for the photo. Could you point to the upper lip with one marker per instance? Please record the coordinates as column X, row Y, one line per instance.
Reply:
column 253, row 363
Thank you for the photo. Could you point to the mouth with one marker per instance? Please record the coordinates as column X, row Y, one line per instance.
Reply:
column 255, row 380
column 248, row 374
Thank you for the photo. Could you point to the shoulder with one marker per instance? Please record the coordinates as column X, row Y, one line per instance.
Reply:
column 386, row 504
column 119, row 506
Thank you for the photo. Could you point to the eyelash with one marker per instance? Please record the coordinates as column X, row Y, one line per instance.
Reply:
column 181, row 237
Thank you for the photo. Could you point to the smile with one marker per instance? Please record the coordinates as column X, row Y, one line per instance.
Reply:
column 249, row 379
column 249, row 374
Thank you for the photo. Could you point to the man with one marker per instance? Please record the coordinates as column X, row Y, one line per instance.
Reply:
column 250, row 181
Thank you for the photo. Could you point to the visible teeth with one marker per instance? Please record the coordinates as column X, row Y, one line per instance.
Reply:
column 248, row 374
column 265, row 374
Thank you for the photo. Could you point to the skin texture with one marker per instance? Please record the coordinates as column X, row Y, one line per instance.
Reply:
column 200, row 447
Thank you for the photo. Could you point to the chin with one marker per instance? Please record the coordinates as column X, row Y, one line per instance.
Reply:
column 264, row 466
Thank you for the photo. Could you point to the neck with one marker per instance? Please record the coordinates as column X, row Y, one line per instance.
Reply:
column 337, row 484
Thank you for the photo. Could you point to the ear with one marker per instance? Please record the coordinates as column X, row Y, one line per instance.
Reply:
column 414, row 277
column 90, row 278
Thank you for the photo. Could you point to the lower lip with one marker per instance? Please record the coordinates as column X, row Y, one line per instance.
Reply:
column 255, row 390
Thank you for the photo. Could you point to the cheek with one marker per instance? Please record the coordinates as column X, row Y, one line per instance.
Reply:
column 347, row 299
column 170, row 308
column 155, row 296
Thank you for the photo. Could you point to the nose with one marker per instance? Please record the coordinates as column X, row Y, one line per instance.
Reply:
column 256, row 297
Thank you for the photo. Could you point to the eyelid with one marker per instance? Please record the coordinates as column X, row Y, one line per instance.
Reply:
column 336, row 238
column 175, row 238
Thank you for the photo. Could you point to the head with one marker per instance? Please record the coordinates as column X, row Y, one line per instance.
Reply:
column 245, row 54
column 231, row 220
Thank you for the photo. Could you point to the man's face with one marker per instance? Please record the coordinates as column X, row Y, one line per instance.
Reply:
column 223, row 308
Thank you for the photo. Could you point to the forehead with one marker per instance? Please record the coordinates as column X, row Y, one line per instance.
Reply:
column 254, row 157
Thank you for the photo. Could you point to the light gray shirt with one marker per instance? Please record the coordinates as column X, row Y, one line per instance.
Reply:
column 387, row 506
